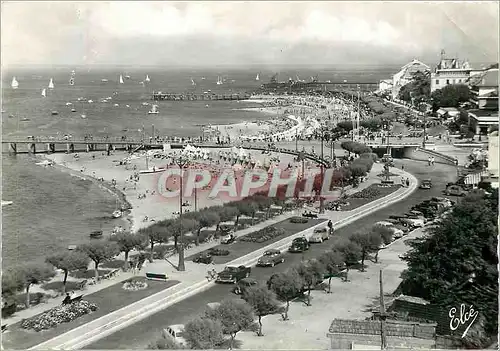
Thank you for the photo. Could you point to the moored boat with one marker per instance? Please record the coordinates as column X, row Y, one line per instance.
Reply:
column 154, row 110
column 117, row 214
column 96, row 234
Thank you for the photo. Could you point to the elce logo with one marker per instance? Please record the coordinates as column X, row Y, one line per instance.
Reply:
column 456, row 321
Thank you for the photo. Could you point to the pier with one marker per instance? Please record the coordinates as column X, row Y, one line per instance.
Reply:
column 159, row 96
column 294, row 86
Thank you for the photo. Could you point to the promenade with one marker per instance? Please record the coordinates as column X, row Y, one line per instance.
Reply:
column 193, row 279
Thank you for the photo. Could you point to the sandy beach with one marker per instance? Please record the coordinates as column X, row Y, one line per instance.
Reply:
column 138, row 193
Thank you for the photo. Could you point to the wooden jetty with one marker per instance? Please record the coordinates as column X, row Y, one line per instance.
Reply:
column 159, row 96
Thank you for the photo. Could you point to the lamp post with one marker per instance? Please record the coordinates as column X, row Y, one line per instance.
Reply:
column 181, row 161
column 321, row 205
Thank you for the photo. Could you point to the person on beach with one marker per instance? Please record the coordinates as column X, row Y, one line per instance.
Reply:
column 407, row 182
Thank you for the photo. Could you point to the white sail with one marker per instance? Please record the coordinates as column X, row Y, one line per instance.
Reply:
column 257, row 78
column 44, row 93
column 154, row 110
column 219, row 80
column 72, row 81
column 15, row 83
column 51, row 84
column 121, row 79
column 147, row 79
column 192, row 82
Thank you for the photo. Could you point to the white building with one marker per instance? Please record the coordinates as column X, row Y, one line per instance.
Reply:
column 493, row 158
column 405, row 75
column 450, row 71
column 384, row 85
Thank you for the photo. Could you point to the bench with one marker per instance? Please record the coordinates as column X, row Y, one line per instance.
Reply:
column 81, row 285
column 157, row 276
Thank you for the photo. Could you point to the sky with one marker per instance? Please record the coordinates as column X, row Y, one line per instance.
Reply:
column 207, row 33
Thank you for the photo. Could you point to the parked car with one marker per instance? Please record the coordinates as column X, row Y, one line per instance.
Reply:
column 228, row 239
column 396, row 233
column 233, row 274
column 204, row 257
column 176, row 333
column 455, row 190
column 413, row 222
column 426, row 184
column 319, row 235
column 242, row 286
column 387, row 158
column 270, row 258
column 299, row 245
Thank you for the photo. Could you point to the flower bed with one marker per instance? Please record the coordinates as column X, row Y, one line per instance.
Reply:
column 263, row 235
column 135, row 284
column 58, row 315
column 367, row 193
column 299, row 220
column 218, row 252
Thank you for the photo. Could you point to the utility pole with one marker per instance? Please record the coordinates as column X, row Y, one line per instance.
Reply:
column 383, row 335
column 153, row 132
column 321, row 206
column 357, row 126
column 297, row 139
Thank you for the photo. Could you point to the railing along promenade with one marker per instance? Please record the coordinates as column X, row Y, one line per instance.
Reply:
column 160, row 96
column 70, row 145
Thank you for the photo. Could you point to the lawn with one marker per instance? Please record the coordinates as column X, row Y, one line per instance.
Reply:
column 241, row 248
column 108, row 300
column 358, row 202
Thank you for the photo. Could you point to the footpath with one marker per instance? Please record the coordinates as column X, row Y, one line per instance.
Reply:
column 193, row 280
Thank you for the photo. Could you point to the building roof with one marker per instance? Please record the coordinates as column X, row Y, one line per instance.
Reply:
column 414, row 299
column 489, row 78
column 393, row 328
column 453, row 63
column 415, row 62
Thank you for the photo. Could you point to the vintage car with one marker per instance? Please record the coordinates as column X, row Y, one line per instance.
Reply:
column 299, row 245
column 233, row 274
column 204, row 257
column 228, row 239
column 176, row 333
column 396, row 233
column 270, row 258
column 455, row 190
column 426, row 184
column 243, row 285
column 319, row 235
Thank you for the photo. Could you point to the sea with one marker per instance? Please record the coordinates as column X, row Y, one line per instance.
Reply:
column 52, row 209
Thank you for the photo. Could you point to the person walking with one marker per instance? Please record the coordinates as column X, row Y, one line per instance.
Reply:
column 330, row 226
column 429, row 161
column 432, row 161
column 407, row 182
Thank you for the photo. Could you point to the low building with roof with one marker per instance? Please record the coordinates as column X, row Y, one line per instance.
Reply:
column 366, row 334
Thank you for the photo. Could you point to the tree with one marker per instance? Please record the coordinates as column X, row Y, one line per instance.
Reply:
column 203, row 333
column 368, row 242
column 450, row 96
column 312, row 273
column 205, row 219
column 12, row 282
column 127, row 242
column 351, row 252
column 68, row 261
column 234, row 315
column 419, row 89
column 154, row 235
column 287, row 286
column 99, row 251
column 263, row 302
column 456, row 262
column 385, row 234
column 182, row 226
column 247, row 208
column 164, row 344
column 34, row 273
column 332, row 261
column 228, row 213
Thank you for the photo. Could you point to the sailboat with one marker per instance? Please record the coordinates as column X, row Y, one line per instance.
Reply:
column 72, row 81
column 192, row 82
column 154, row 110
column 121, row 79
column 257, row 78
column 147, row 79
column 219, row 80
column 15, row 83
column 44, row 92
column 51, row 84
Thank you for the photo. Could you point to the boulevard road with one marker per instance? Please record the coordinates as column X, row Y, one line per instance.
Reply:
column 138, row 335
